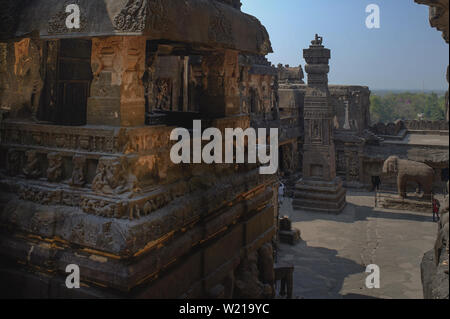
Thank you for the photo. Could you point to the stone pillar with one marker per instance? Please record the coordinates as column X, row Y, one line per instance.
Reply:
column 319, row 189
column 117, row 91
column 221, row 84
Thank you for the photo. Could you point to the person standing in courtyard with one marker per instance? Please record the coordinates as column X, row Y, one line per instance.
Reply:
column 376, row 182
column 436, row 208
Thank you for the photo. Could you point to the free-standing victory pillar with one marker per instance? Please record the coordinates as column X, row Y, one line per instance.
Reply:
column 319, row 189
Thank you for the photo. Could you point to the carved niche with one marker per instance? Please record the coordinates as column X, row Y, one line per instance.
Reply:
column 353, row 166
column 316, row 130
column 163, row 94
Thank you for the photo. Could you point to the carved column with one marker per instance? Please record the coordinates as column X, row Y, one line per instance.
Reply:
column 221, row 95
column 319, row 189
column 117, row 91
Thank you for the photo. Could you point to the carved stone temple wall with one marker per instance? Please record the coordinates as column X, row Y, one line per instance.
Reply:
column 319, row 189
column 85, row 173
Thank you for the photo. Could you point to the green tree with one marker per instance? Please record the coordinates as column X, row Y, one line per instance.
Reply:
column 407, row 106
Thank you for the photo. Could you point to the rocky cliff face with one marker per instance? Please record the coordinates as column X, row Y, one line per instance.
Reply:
column 435, row 262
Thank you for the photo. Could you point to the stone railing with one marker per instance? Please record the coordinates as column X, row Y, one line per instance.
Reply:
column 393, row 129
column 426, row 125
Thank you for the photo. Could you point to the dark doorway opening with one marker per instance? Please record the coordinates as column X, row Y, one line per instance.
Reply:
column 68, row 77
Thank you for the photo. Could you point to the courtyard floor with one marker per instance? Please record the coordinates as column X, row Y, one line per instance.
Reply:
column 331, row 260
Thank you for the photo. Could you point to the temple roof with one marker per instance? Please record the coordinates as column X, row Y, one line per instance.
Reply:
column 200, row 23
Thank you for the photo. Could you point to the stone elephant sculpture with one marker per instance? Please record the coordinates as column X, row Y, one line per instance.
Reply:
column 410, row 171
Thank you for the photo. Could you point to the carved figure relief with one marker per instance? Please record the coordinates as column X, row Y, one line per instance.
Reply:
column 316, row 130
column 32, row 167
column 55, row 167
column 14, row 160
column 353, row 166
column 79, row 171
column 113, row 176
column 163, row 94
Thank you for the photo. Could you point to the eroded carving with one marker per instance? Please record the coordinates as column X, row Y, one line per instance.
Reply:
column 133, row 17
column 55, row 167
column 410, row 171
column 78, row 178
column 32, row 167
column 113, row 176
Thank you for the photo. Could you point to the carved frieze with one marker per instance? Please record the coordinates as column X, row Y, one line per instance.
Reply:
column 39, row 195
column 51, row 136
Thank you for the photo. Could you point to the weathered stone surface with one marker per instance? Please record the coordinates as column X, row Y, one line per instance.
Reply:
column 434, row 265
column 319, row 188
column 409, row 171
column 85, row 172
column 197, row 22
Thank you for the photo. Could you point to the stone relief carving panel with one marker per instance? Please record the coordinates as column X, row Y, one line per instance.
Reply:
column 113, row 176
column 55, row 167
column 32, row 168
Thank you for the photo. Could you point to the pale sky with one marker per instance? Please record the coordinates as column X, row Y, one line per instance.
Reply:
column 405, row 53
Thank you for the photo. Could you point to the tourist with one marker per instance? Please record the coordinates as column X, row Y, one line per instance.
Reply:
column 376, row 182
column 281, row 193
column 436, row 207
